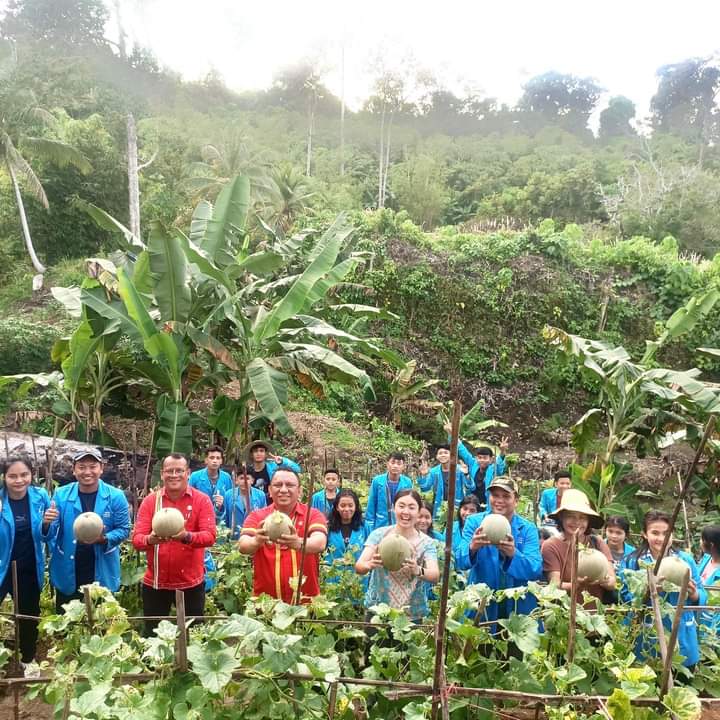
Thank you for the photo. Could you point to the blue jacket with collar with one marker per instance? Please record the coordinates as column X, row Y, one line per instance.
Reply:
column 434, row 481
column 379, row 511
column 469, row 459
column 39, row 502
column 688, row 642
column 112, row 506
column 235, row 498
column 200, row 480
column 548, row 503
column 488, row 566
column 319, row 502
column 709, row 621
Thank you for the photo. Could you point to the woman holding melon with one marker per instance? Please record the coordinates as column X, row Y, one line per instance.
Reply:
column 656, row 525
column 596, row 574
column 400, row 560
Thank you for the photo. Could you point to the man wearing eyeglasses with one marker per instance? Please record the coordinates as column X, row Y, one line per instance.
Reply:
column 175, row 563
column 276, row 563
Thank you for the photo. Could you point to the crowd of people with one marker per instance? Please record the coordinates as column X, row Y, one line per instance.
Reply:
column 329, row 535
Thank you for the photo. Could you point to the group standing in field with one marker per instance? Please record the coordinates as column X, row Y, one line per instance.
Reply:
column 392, row 544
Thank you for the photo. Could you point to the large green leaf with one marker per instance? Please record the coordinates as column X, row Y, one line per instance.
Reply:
column 169, row 269
column 296, row 298
column 112, row 310
column 135, row 307
column 82, row 348
column 105, row 221
column 213, row 346
column 269, row 386
column 227, row 222
column 335, row 276
column 174, row 427
column 198, row 257
column 69, row 298
column 262, row 263
column 198, row 225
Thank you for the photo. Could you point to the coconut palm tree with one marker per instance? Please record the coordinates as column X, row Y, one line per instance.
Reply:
column 19, row 112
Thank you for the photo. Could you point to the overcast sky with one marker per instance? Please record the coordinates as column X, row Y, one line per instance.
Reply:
column 493, row 47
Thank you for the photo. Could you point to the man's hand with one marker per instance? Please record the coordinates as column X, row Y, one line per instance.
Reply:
column 504, row 445
column 462, row 467
column 479, row 540
column 219, row 500
column 153, row 539
column 375, row 561
column 507, row 546
column 51, row 514
column 424, row 468
column 277, row 459
column 290, row 540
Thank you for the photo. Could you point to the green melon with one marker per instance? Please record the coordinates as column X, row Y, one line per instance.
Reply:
column 394, row 550
column 673, row 569
column 496, row 527
column 167, row 522
column 88, row 527
column 276, row 524
column 593, row 565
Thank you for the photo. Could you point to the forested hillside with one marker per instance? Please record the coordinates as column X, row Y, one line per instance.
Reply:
column 481, row 223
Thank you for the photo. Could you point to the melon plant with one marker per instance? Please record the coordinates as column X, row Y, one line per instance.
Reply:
column 394, row 550
column 88, row 527
column 593, row 565
column 496, row 527
column 167, row 522
column 673, row 569
column 276, row 524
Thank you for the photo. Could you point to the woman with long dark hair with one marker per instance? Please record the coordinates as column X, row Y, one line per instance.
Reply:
column 617, row 532
column 709, row 569
column 425, row 522
column 347, row 532
column 656, row 525
column 25, row 515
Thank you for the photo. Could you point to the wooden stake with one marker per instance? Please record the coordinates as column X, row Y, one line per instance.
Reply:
column 709, row 427
column 7, row 447
column 16, row 612
column 659, row 627
column 573, row 598
column 667, row 681
column 332, row 700
column 88, row 606
column 32, row 440
column 50, row 482
column 311, row 489
column 181, row 642
column 149, row 459
column 440, row 699
column 688, row 544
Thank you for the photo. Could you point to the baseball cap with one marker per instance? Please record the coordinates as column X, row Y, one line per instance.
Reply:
column 504, row 482
column 89, row 452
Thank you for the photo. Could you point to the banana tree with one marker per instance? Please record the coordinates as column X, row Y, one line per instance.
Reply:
column 405, row 393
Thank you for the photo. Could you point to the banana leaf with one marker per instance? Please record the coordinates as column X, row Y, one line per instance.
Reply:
column 174, row 427
column 269, row 387
column 227, row 222
column 169, row 269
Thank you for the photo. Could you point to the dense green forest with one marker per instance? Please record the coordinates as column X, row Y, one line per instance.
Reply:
column 485, row 222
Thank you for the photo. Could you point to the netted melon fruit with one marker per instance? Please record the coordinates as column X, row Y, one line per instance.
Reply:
column 593, row 565
column 394, row 550
column 673, row 569
column 87, row 527
column 496, row 527
column 167, row 522
column 277, row 524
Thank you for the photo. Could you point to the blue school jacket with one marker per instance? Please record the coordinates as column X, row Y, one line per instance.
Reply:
column 709, row 621
column 688, row 642
column 548, row 502
column 379, row 511
column 497, row 572
column 319, row 502
column 235, row 498
column 200, row 480
column 434, row 481
column 112, row 506
column 473, row 466
column 39, row 502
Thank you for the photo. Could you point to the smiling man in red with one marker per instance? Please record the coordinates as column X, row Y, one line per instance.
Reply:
column 175, row 563
column 276, row 563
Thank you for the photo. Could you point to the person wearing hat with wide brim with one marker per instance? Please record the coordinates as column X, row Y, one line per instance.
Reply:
column 263, row 462
column 73, row 563
column 576, row 517
column 513, row 562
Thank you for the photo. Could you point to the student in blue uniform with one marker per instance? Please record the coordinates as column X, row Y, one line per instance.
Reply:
column 25, row 512
column 483, row 466
column 379, row 512
column 469, row 505
column 323, row 499
column 73, row 563
column 656, row 525
column 709, row 570
column 425, row 522
column 347, row 533
column 617, row 532
column 550, row 498
column 212, row 479
column 263, row 462
column 437, row 478
column 236, row 499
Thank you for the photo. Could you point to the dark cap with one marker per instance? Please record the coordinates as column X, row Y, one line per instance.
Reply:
column 504, row 482
column 90, row 452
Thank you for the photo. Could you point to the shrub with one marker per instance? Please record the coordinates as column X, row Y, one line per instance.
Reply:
column 25, row 346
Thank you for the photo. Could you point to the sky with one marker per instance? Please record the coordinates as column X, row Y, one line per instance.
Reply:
column 490, row 47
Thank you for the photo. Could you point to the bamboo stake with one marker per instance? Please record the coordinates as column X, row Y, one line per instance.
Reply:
column 16, row 702
column 16, row 611
column 440, row 699
column 332, row 700
column 573, row 598
column 541, row 484
column 709, row 427
column 49, row 482
column 149, row 459
column 133, row 473
column 667, row 680
column 88, row 607
column 659, row 627
column 303, row 548
column 688, row 545
column 7, row 447
column 181, row 643
column 32, row 440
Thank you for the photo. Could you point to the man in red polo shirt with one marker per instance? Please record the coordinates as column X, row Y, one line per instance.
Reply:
column 276, row 563
column 175, row 563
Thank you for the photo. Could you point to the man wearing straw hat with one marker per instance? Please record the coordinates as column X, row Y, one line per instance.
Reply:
column 74, row 563
column 276, row 563
column 263, row 462
column 237, row 500
column 175, row 563
column 513, row 562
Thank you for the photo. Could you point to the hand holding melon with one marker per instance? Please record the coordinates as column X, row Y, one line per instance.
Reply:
column 167, row 523
column 88, row 528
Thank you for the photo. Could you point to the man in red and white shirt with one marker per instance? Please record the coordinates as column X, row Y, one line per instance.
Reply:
column 175, row 563
column 276, row 563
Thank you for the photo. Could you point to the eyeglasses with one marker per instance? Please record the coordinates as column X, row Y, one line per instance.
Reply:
column 174, row 471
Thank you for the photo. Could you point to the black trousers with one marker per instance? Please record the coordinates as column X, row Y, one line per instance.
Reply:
column 61, row 599
column 28, row 604
column 159, row 602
